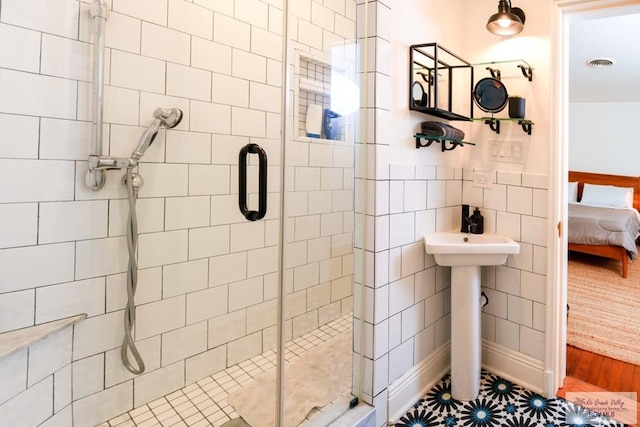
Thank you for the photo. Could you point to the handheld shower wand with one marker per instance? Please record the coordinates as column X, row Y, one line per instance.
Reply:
column 167, row 118
column 163, row 118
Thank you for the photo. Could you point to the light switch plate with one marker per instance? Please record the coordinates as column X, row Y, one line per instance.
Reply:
column 507, row 151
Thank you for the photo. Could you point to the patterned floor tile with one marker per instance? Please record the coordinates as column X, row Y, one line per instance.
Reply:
column 500, row 403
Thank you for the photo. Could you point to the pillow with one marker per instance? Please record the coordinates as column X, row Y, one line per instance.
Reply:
column 572, row 192
column 607, row 195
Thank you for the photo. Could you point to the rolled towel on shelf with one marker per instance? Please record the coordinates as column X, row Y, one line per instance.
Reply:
column 441, row 130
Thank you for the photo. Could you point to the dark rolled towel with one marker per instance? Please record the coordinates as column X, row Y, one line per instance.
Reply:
column 441, row 130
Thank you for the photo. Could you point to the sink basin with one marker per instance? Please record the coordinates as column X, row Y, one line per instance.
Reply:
column 453, row 248
column 465, row 254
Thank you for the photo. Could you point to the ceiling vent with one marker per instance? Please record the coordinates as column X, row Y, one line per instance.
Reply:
column 601, row 62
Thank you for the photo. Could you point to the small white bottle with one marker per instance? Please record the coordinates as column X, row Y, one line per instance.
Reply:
column 314, row 121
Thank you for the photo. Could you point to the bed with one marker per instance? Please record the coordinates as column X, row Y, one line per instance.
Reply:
column 618, row 245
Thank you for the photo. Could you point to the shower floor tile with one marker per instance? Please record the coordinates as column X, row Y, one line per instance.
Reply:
column 204, row 403
column 500, row 403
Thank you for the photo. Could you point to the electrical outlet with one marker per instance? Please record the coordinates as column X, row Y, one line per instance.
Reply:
column 481, row 180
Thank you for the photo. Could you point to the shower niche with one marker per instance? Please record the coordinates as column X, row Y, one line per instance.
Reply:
column 326, row 97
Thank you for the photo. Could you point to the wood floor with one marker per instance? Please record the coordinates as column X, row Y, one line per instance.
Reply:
column 601, row 371
column 588, row 371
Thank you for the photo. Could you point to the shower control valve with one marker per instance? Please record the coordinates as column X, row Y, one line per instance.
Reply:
column 104, row 162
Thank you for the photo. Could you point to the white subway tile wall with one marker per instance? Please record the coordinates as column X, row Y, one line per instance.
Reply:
column 407, row 297
column 17, row 310
column 517, row 205
column 207, row 282
column 404, row 304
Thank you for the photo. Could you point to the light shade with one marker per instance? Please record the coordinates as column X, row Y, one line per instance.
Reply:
column 508, row 21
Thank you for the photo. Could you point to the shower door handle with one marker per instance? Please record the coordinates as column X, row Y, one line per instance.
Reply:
column 262, row 182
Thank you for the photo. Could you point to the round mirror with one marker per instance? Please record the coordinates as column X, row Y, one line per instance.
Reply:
column 420, row 97
column 490, row 95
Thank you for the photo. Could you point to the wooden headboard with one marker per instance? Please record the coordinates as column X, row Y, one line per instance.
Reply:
column 602, row 179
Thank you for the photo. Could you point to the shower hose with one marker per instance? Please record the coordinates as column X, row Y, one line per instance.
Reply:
column 128, row 345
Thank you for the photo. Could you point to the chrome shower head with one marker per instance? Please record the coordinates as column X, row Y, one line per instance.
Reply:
column 167, row 118
column 170, row 117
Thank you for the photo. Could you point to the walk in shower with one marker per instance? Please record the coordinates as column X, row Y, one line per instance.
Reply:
column 246, row 223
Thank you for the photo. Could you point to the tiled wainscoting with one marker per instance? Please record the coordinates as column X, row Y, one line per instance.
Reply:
column 515, row 206
column 407, row 296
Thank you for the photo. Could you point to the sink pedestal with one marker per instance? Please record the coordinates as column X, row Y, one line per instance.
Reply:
column 466, row 347
column 465, row 253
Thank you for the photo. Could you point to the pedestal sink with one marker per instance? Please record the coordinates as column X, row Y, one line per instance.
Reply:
column 465, row 254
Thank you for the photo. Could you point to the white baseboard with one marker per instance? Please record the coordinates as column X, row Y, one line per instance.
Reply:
column 415, row 383
column 514, row 366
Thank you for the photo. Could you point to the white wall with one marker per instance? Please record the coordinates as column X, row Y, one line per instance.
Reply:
column 412, row 192
column 413, row 22
column 405, row 299
column 409, row 191
column 521, row 210
column 208, row 283
column 532, row 45
column 602, row 138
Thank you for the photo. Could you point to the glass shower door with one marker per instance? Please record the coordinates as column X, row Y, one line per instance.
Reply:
column 304, row 208
column 323, row 114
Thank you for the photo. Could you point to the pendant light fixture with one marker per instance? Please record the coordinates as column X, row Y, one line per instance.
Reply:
column 508, row 21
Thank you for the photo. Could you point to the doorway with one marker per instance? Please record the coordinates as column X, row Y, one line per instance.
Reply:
column 566, row 13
